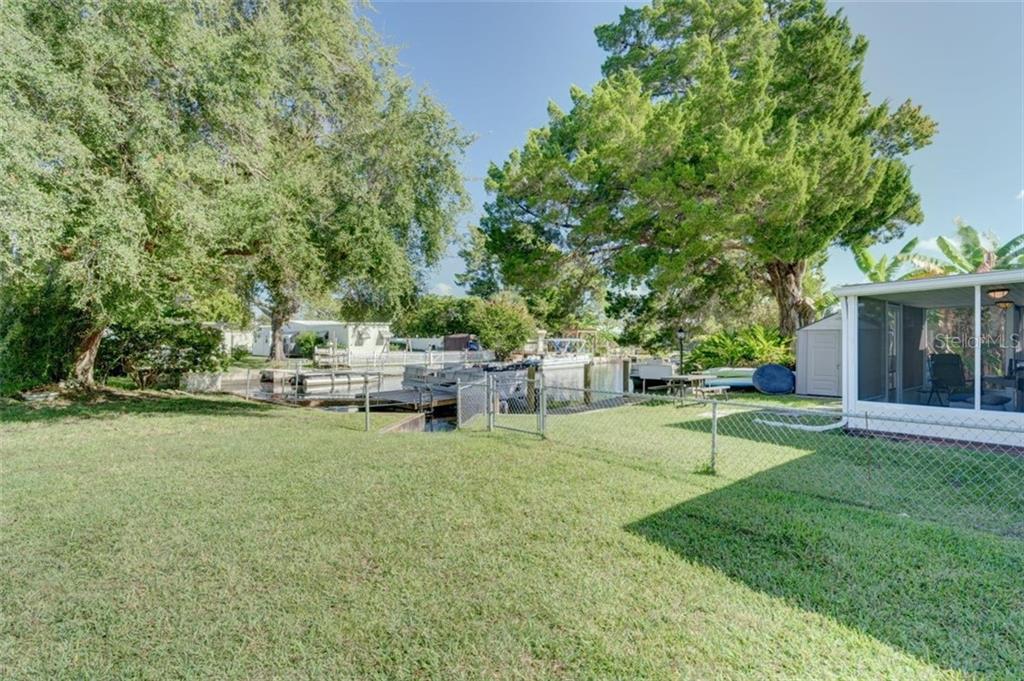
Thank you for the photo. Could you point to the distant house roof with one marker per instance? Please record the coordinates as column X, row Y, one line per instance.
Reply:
column 323, row 322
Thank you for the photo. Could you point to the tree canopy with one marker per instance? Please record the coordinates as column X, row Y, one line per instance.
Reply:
column 501, row 321
column 105, row 171
column 354, row 185
column 728, row 146
column 159, row 157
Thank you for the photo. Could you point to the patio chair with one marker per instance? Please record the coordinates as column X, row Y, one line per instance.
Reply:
column 947, row 376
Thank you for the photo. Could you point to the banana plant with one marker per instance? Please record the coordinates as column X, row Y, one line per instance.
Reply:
column 885, row 268
column 970, row 252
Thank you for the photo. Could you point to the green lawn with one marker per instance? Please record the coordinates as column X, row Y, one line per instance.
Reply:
column 256, row 362
column 974, row 487
column 177, row 537
column 797, row 401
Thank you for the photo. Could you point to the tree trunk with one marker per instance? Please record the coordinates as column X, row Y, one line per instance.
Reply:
column 281, row 310
column 277, row 322
column 786, row 282
column 85, row 358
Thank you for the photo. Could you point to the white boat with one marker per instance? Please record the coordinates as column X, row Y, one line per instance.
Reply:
column 651, row 373
column 564, row 352
column 508, row 378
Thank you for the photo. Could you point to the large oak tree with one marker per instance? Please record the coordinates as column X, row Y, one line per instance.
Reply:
column 156, row 154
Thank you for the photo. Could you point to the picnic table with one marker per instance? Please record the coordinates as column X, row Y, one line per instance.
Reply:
column 699, row 387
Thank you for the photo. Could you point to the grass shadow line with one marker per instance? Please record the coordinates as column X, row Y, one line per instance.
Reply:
column 111, row 404
column 949, row 597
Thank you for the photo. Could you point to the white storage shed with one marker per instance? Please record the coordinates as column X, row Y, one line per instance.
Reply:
column 819, row 357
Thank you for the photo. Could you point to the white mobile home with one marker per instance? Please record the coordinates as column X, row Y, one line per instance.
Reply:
column 937, row 354
column 360, row 338
column 231, row 338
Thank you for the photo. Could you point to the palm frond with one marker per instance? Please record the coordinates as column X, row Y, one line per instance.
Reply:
column 969, row 236
column 1012, row 260
column 956, row 259
column 908, row 248
column 1011, row 247
column 865, row 261
column 927, row 267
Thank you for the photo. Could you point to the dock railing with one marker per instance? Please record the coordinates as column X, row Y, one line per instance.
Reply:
column 329, row 357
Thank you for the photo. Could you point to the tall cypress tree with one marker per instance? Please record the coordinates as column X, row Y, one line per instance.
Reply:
column 729, row 141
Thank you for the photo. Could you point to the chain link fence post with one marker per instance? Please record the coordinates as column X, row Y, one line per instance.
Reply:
column 458, row 403
column 542, row 408
column 366, row 402
column 868, row 496
column 714, row 434
column 489, row 408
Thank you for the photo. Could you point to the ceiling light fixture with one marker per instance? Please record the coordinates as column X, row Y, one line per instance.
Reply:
column 998, row 293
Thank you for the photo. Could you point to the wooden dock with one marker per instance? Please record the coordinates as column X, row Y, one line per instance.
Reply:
column 416, row 400
column 386, row 400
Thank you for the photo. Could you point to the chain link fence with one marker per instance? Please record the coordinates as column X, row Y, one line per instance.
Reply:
column 471, row 404
column 947, row 470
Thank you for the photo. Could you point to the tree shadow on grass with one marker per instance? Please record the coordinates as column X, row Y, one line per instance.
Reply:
column 113, row 404
column 949, row 597
column 973, row 486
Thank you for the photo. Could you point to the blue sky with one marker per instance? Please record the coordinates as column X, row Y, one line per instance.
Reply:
column 495, row 65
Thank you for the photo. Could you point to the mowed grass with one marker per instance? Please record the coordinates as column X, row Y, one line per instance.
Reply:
column 969, row 485
column 214, row 538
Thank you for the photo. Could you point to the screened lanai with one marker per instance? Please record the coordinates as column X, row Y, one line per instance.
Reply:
column 942, row 343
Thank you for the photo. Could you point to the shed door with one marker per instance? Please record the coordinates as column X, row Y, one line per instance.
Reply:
column 824, row 359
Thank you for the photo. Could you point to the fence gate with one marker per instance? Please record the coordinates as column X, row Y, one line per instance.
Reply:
column 516, row 403
column 471, row 405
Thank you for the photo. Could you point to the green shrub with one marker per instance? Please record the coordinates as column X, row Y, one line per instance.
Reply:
column 156, row 353
column 434, row 316
column 750, row 347
column 39, row 330
column 305, row 343
column 239, row 352
column 502, row 323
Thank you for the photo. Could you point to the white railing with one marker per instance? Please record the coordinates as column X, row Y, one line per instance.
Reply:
column 328, row 357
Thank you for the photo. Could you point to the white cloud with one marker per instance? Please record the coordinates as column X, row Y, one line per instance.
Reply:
column 1020, row 195
column 929, row 245
column 441, row 289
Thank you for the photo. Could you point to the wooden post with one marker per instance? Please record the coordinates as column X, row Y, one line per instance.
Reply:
column 626, row 385
column 588, row 377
